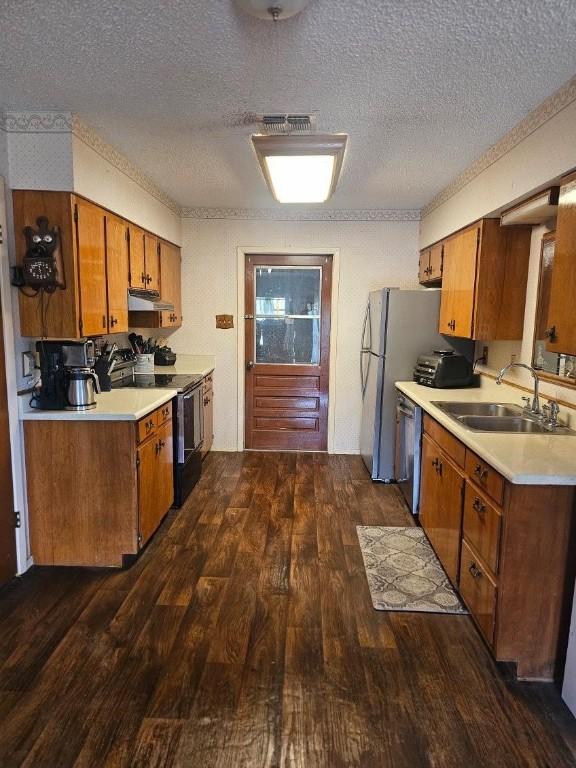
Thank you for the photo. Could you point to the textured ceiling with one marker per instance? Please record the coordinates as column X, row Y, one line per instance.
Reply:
column 422, row 87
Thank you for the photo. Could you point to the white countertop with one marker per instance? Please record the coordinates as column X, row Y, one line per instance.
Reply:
column 117, row 405
column 200, row 365
column 523, row 459
column 126, row 404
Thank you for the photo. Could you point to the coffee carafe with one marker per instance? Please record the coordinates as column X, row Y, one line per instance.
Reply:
column 82, row 385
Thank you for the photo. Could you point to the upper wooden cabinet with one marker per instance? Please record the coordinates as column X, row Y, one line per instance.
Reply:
column 95, row 257
column 561, row 328
column 137, row 262
column 152, row 262
column 484, row 279
column 430, row 264
column 101, row 256
column 170, row 274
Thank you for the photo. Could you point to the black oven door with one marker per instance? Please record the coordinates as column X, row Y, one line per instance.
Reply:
column 191, row 426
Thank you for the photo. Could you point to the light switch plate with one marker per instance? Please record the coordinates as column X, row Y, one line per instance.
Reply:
column 28, row 363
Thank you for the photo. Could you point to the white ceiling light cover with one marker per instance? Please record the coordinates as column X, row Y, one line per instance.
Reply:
column 301, row 169
column 273, row 9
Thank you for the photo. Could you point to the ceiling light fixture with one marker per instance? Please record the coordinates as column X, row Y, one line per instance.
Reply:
column 301, row 169
column 273, row 10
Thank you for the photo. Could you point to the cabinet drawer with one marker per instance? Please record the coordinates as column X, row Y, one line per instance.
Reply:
column 485, row 476
column 147, row 426
column 478, row 591
column 164, row 413
column 446, row 440
column 482, row 523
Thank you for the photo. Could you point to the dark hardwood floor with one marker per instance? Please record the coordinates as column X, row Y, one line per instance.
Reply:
column 245, row 636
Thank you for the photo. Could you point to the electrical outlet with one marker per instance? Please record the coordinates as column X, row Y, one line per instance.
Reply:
column 28, row 364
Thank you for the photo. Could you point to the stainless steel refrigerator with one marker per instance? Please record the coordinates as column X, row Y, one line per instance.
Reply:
column 398, row 326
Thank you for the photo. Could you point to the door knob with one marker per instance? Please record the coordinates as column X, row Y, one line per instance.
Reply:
column 249, row 365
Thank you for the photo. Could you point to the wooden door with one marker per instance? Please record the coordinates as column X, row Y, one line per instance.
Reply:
column 171, row 284
column 441, row 514
column 287, row 350
column 137, row 266
column 7, row 537
column 458, row 284
column 91, row 248
column 155, row 480
column 152, row 262
column 117, row 268
column 561, row 328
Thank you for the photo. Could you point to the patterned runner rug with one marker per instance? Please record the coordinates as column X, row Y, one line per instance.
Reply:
column 403, row 572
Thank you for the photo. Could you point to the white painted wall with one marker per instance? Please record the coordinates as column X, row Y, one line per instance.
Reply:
column 372, row 255
column 100, row 181
column 547, row 153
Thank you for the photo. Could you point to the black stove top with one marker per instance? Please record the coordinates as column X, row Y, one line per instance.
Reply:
column 177, row 381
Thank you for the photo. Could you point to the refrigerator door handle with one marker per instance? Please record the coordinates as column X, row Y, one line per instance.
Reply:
column 364, row 376
column 367, row 327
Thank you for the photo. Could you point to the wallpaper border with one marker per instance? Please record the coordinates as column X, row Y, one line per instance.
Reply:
column 545, row 111
column 306, row 214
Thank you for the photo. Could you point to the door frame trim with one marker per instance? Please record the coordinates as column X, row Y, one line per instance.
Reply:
column 242, row 252
column 23, row 557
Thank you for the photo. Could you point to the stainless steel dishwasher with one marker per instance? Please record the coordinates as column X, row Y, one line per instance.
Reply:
column 408, row 449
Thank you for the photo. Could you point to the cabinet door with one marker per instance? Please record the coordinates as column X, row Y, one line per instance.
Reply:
column 435, row 265
column 563, row 288
column 152, row 262
column 91, row 240
column 155, row 481
column 458, row 283
column 441, row 514
column 137, row 266
column 208, row 421
column 117, row 269
column 424, row 266
column 171, row 284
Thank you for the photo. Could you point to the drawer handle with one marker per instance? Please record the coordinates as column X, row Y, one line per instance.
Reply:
column 149, row 425
column 437, row 464
column 478, row 506
column 159, row 445
column 480, row 472
column 475, row 572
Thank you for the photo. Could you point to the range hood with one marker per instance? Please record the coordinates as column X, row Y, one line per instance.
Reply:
column 141, row 300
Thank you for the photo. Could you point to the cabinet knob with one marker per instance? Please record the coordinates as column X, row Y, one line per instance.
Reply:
column 475, row 572
column 480, row 472
column 452, row 325
column 478, row 506
column 113, row 320
column 143, row 278
column 550, row 333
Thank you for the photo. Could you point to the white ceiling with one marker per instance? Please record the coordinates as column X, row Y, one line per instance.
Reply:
column 422, row 87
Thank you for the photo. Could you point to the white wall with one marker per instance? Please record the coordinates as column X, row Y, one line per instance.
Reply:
column 372, row 255
column 100, row 181
column 545, row 154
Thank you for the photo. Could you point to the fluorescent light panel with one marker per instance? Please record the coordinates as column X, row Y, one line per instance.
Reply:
column 301, row 169
column 304, row 179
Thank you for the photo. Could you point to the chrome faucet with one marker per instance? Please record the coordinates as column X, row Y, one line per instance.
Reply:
column 535, row 408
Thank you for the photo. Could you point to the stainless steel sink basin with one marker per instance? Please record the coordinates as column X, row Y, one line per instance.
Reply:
column 498, row 417
column 480, row 409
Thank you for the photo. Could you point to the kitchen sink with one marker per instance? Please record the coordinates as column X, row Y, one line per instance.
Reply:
column 498, row 417
column 479, row 409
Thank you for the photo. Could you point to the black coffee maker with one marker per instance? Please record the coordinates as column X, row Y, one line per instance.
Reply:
column 52, row 393
column 67, row 377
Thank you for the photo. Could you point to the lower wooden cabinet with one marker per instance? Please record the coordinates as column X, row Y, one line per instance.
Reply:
column 108, row 487
column 508, row 549
column 478, row 590
column 155, row 480
column 441, row 506
column 208, row 405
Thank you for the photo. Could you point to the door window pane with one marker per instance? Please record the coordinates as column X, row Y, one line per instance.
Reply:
column 287, row 315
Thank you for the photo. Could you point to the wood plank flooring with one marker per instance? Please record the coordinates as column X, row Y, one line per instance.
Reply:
column 245, row 637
